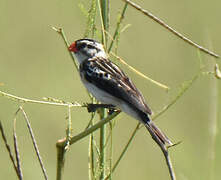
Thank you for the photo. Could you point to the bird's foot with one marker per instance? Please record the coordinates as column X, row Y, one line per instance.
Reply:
column 93, row 107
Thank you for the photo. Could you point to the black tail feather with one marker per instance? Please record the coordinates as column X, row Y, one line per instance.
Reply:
column 154, row 130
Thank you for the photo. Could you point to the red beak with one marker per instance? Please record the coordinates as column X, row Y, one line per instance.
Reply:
column 72, row 47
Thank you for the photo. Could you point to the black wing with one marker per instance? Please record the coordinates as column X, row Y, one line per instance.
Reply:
column 107, row 76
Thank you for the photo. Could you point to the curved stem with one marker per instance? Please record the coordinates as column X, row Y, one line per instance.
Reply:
column 162, row 23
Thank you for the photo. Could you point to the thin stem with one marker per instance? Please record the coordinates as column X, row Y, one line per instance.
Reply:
column 105, row 13
column 102, row 24
column 118, row 27
column 91, row 157
column 16, row 148
column 9, row 149
column 91, row 20
column 184, row 89
column 102, row 145
column 124, row 150
column 111, row 149
column 62, row 143
column 89, row 130
column 61, row 32
column 69, row 129
column 34, row 143
column 25, row 100
column 91, row 164
column 162, row 23
column 139, row 73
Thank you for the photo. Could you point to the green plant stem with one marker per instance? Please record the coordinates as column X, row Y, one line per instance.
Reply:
column 118, row 27
column 91, row 163
column 91, row 20
column 104, row 8
column 102, row 145
column 104, row 5
column 183, row 90
column 89, row 130
column 61, row 150
column 111, row 124
column 61, row 144
column 61, row 32
column 124, row 150
column 91, row 157
column 69, row 128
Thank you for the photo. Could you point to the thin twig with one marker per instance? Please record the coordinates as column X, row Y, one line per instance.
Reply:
column 118, row 27
column 103, row 7
column 184, row 89
column 162, row 23
column 91, row 16
column 124, row 150
column 89, row 130
column 91, row 158
column 69, row 129
column 102, row 145
column 139, row 73
column 105, row 15
column 111, row 150
column 102, row 24
column 34, row 143
column 9, row 149
column 61, row 32
column 91, row 164
column 16, row 148
column 25, row 100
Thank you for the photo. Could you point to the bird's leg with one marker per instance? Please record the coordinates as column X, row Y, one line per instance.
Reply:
column 94, row 107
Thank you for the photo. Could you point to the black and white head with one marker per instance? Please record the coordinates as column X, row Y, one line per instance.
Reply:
column 87, row 48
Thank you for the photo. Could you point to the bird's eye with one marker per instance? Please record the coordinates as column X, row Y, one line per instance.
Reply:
column 81, row 46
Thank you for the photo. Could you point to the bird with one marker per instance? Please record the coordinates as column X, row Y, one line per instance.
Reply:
column 110, row 85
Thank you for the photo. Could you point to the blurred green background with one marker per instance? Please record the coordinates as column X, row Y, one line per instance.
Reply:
column 34, row 64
